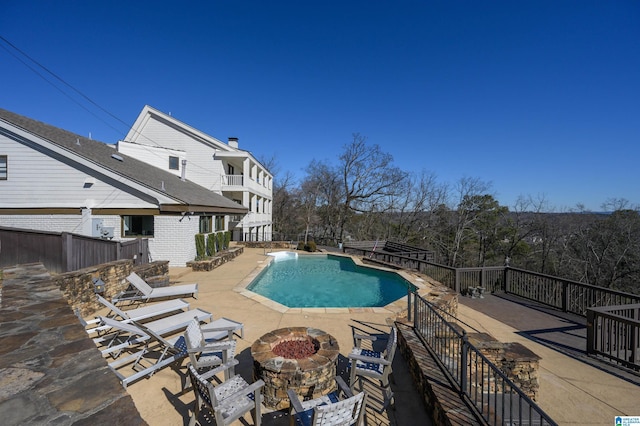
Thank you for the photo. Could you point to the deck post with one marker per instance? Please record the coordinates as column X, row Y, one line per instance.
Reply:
column 591, row 338
column 464, row 346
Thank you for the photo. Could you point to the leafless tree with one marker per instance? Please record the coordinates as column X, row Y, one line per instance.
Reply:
column 468, row 192
column 367, row 176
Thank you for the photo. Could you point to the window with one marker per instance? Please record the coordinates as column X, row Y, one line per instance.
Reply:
column 136, row 226
column 219, row 223
column 174, row 163
column 230, row 170
column 3, row 167
column 205, row 224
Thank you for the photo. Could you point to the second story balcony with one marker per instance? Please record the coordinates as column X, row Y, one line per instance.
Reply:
column 232, row 180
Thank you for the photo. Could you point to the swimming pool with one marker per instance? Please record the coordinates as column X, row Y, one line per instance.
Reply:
column 327, row 281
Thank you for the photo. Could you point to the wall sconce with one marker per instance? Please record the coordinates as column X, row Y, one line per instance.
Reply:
column 98, row 286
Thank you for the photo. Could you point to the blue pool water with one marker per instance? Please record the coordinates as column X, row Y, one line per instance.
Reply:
column 327, row 282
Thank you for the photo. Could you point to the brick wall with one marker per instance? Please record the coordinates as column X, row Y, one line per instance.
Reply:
column 174, row 239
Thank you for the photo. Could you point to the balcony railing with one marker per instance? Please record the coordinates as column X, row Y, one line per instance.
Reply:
column 233, row 180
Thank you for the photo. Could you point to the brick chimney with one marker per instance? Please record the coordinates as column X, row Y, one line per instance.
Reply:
column 233, row 142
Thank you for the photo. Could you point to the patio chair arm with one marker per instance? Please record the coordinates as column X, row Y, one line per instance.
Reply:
column 232, row 399
column 342, row 385
column 220, row 345
column 365, row 337
column 358, row 338
column 226, row 366
column 205, row 328
column 294, row 401
column 371, row 359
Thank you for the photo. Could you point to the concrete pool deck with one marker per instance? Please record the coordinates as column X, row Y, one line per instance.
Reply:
column 221, row 292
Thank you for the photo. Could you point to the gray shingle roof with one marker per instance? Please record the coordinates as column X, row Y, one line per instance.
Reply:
column 188, row 195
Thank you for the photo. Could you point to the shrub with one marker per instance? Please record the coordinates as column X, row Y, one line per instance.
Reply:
column 227, row 239
column 310, row 246
column 200, row 247
column 220, row 239
column 211, row 244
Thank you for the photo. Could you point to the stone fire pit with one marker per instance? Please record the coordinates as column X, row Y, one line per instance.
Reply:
column 298, row 358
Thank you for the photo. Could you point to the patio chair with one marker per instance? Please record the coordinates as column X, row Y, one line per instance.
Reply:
column 165, row 352
column 138, row 314
column 143, row 292
column 329, row 409
column 204, row 353
column 117, row 335
column 373, row 364
column 228, row 400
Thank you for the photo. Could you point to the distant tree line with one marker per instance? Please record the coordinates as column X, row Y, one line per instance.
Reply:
column 364, row 196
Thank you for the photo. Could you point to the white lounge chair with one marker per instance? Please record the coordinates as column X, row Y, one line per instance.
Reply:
column 374, row 364
column 119, row 334
column 227, row 401
column 143, row 292
column 138, row 314
column 328, row 410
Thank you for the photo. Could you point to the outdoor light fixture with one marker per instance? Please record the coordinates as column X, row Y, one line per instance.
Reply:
column 98, row 286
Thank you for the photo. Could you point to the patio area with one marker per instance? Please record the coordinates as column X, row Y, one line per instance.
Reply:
column 221, row 292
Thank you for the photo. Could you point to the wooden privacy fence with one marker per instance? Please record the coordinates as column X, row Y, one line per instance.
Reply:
column 63, row 251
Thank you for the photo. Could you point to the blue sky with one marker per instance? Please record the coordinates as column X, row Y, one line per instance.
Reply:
column 540, row 98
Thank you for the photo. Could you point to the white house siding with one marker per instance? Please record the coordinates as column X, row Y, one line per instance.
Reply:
column 153, row 155
column 44, row 222
column 63, row 187
column 174, row 240
column 153, row 129
column 201, row 166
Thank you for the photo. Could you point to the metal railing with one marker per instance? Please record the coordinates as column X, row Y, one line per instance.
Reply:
column 613, row 332
column 494, row 397
column 567, row 295
column 560, row 293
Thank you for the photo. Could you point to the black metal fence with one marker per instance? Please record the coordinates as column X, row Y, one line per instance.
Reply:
column 567, row 295
column 560, row 293
column 613, row 333
column 494, row 397
column 63, row 252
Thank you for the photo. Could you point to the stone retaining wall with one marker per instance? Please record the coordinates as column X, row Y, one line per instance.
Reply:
column 79, row 290
column 269, row 244
column 215, row 261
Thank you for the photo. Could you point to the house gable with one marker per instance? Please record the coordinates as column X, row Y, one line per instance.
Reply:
column 103, row 163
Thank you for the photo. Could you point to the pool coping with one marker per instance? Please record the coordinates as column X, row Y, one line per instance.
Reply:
column 395, row 307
